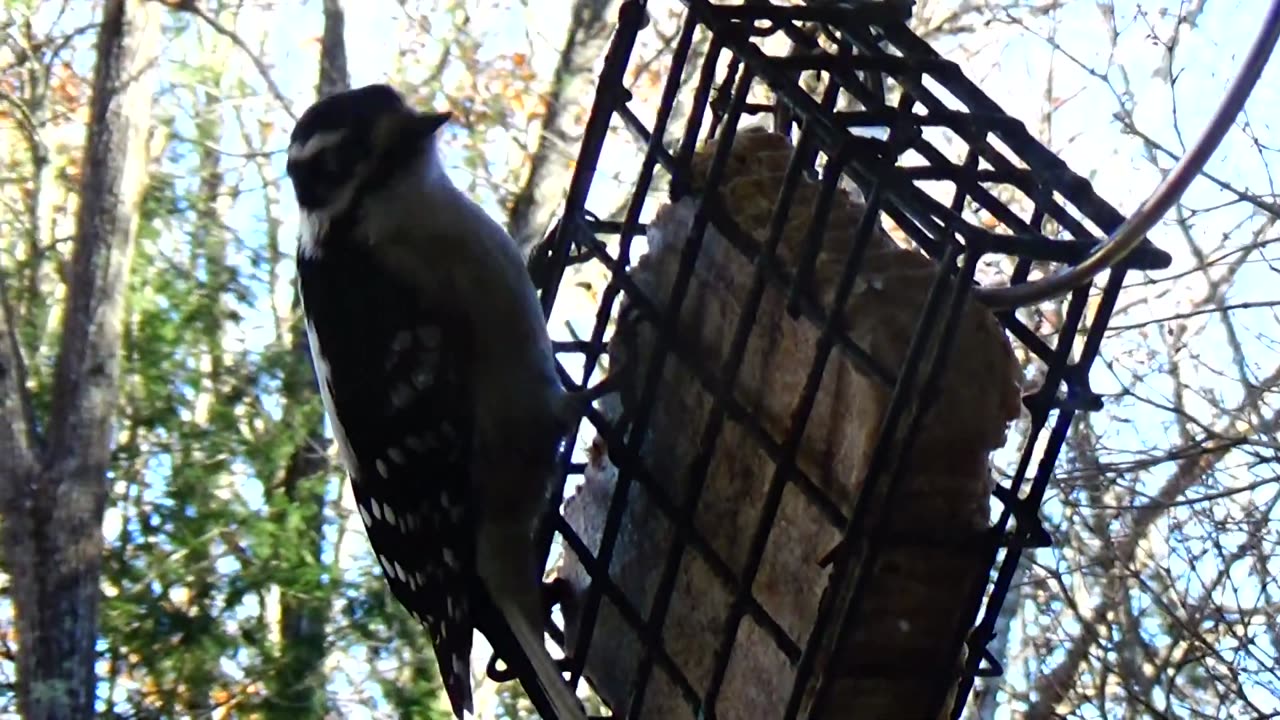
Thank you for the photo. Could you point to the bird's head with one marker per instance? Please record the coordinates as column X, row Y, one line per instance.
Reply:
column 356, row 142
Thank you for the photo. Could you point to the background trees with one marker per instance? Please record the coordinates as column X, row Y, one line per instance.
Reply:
column 176, row 542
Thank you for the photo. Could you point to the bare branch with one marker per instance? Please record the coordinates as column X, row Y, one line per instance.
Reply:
column 189, row 6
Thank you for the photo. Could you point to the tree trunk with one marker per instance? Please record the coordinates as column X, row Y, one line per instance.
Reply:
column 52, row 494
column 568, row 101
column 300, row 692
column 208, row 252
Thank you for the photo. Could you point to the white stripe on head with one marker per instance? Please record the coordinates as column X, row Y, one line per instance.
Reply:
column 316, row 143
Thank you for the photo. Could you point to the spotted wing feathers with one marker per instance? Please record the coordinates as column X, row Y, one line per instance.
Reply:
column 393, row 375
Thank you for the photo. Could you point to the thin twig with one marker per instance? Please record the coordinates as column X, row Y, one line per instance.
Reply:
column 189, row 6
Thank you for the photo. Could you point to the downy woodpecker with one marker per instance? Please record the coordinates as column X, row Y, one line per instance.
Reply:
column 437, row 374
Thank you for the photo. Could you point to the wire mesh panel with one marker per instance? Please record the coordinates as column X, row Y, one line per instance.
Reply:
column 786, row 510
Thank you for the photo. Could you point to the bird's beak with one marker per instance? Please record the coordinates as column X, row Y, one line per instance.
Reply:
column 408, row 126
column 424, row 124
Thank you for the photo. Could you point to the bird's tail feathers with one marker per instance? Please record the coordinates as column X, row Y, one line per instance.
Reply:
column 564, row 703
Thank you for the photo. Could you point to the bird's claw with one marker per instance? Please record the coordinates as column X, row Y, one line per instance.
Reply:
column 554, row 593
column 505, row 674
column 612, row 383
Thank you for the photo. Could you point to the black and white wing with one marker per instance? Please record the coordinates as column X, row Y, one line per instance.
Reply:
column 393, row 373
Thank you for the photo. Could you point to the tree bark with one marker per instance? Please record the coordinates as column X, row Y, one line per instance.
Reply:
column 568, row 100
column 53, row 494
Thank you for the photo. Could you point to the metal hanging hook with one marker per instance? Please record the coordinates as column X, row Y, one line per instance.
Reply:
column 1132, row 231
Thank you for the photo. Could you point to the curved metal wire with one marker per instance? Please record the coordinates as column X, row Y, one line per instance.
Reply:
column 1132, row 231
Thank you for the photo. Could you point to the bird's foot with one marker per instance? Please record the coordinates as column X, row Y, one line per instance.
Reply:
column 612, row 383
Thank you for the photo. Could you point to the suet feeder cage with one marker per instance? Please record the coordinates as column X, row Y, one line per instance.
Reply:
column 777, row 240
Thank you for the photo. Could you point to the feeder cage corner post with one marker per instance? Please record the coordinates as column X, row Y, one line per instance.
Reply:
column 695, row 549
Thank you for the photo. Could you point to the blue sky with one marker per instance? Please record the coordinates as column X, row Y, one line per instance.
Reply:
column 1090, row 141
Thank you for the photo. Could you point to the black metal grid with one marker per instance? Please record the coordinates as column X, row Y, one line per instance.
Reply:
column 877, row 74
